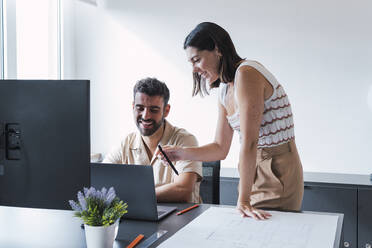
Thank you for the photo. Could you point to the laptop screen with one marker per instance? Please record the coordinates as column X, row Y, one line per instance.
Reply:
column 133, row 184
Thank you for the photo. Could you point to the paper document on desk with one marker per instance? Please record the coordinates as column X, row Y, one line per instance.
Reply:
column 224, row 227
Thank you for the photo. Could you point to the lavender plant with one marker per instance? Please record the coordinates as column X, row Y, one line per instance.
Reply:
column 98, row 207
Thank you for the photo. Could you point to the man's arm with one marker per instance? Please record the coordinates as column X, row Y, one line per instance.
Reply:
column 178, row 191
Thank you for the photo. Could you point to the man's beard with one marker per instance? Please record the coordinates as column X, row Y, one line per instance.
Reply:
column 149, row 132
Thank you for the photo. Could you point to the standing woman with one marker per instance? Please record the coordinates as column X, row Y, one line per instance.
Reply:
column 253, row 103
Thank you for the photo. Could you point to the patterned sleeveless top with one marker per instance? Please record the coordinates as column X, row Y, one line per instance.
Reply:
column 277, row 123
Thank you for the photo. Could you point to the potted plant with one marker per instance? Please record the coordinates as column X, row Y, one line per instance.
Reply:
column 100, row 211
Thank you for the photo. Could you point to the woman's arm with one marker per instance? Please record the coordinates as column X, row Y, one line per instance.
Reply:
column 216, row 150
column 250, row 88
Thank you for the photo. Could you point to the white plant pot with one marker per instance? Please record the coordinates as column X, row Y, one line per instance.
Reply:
column 101, row 236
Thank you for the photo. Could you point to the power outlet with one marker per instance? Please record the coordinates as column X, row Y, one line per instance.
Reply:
column 13, row 142
column 2, row 141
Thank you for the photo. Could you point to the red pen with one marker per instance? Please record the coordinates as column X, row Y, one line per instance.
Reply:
column 187, row 209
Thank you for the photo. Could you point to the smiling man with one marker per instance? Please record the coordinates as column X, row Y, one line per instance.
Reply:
column 150, row 108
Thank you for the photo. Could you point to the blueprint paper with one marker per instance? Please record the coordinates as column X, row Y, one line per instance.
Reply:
column 223, row 227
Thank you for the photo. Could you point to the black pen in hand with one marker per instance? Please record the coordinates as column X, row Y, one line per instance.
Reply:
column 169, row 162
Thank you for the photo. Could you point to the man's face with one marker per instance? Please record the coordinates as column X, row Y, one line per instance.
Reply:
column 149, row 113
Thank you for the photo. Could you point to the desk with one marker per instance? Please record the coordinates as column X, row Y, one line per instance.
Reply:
column 41, row 228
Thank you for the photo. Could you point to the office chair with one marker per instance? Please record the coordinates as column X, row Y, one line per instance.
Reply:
column 210, row 185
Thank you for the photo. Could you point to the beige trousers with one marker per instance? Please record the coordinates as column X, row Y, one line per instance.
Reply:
column 278, row 181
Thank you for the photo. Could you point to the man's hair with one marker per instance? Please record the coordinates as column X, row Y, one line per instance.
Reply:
column 208, row 36
column 152, row 87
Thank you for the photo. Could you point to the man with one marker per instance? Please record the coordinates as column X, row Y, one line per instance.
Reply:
column 150, row 108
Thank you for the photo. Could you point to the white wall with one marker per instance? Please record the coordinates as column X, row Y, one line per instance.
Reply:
column 319, row 50
column 30, row 37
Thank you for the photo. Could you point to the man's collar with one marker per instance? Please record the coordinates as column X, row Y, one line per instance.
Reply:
column 137, row 141
column 167, row 133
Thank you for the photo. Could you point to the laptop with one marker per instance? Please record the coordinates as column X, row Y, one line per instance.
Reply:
column 134, row 184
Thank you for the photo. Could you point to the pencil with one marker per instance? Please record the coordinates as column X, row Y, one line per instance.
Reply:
column 136, row 241
column 169, row 162
column 187, row 209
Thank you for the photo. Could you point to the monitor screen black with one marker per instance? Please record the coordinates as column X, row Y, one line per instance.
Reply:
column 44, row 142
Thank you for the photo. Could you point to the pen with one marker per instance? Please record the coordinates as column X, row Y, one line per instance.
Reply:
column 136, row 241
column 169, row 162
column 187, row 209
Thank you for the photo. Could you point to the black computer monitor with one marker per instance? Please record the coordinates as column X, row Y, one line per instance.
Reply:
column 44, row 142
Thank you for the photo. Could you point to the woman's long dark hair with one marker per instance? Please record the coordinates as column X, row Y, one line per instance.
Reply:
column 208, row 36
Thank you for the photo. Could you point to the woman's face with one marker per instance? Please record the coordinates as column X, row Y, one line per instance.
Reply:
column 205, row 63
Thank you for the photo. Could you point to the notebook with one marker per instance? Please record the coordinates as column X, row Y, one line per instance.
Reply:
column 134, row 184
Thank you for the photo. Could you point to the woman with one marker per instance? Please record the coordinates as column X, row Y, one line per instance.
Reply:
column 253, row 103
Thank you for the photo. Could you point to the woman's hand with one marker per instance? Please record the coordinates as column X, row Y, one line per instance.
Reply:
column 247, row 210
column 174, row 153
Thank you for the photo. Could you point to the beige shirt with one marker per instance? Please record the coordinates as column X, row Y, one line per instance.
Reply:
column 133, row 151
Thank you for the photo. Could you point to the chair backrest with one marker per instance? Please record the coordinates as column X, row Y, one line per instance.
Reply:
column 210, row 185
